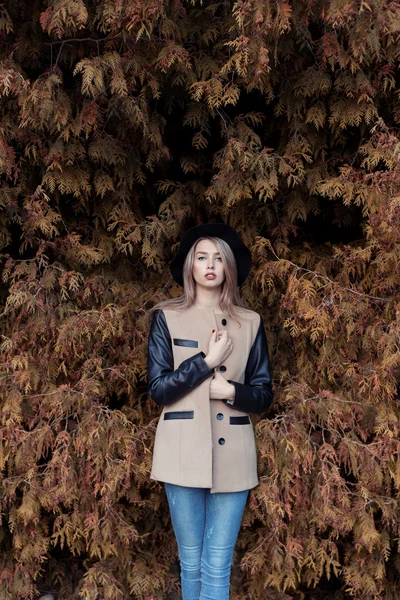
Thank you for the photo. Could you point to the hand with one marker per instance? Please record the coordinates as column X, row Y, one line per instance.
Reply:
column 220, row 388
column 219, row 348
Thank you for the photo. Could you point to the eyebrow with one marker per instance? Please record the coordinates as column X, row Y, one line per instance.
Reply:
column 202, row 252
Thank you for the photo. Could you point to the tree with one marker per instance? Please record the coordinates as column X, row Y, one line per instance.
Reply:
column 123, row 122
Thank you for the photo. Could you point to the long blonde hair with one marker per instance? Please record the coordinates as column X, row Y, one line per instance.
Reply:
column 230, row 298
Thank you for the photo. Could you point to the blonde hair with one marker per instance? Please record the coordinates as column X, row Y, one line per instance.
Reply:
column 230, row 298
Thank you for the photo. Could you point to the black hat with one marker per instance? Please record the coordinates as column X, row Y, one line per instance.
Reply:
column 240, row 251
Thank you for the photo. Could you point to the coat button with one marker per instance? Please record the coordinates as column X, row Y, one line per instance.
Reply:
column 222, row 368
column 220, row 416
column 223, row 321
column 221, row 441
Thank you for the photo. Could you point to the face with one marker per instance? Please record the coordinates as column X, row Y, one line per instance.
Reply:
column 208, row 269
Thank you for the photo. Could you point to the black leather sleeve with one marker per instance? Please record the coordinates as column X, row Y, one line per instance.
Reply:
column 165, row 385
column 255, row 394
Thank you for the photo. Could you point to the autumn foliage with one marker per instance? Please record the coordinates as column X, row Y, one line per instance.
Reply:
column 122, row 123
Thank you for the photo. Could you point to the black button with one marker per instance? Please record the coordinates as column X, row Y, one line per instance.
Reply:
column 220, row 416
column 221, row 441
column 223, row 321
column 222, row 368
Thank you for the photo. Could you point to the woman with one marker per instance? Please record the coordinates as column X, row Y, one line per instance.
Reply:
column 208, row 367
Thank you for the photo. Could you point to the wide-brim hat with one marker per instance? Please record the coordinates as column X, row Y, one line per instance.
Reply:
column 240, row 251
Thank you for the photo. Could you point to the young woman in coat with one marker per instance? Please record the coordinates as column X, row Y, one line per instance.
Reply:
column 208, row 366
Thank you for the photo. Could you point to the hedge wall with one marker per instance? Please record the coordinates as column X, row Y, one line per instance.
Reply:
column 122, row 123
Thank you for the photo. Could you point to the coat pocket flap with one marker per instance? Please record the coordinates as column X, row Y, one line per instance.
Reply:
column 239, row 420
column 187, row 343
column 179, row 414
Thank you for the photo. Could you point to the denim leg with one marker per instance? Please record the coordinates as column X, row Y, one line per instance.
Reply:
column 224, row 513
column 188, row 513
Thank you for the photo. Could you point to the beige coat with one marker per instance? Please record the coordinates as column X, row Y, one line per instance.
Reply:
column 211, row 447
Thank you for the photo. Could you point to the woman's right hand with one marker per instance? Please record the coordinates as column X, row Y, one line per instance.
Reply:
column 219, row 348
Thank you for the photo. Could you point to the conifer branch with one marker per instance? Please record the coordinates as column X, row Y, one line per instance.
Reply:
column 71, row 40
column 328, row 279
column 86, row 39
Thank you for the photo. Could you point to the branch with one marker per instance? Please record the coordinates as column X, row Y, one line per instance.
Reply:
column 351, row 290
column 97, row 40
column 87, row 39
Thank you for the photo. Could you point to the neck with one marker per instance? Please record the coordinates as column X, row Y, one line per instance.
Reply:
column 207, row 298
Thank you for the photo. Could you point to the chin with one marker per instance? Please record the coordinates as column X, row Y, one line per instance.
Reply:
column 212, row 284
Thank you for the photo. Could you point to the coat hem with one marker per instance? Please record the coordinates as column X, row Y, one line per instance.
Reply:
column 213, row 489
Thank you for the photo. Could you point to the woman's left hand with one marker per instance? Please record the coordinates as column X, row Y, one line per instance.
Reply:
column 220, row 388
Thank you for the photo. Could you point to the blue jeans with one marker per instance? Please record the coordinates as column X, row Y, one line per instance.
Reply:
column 206, row 527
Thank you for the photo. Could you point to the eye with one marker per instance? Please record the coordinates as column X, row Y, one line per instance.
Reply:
column 200, row 257
column 219, row 258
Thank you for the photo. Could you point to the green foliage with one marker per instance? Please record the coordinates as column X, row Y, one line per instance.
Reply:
column 121, row 124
